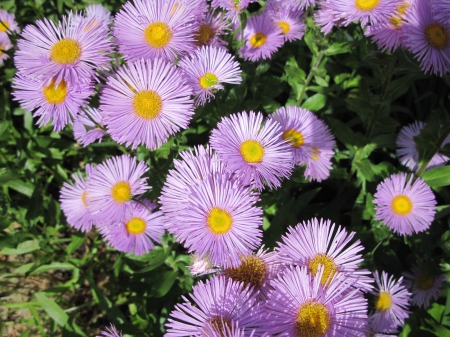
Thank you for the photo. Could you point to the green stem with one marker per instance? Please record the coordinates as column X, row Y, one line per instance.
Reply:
column 310, row 75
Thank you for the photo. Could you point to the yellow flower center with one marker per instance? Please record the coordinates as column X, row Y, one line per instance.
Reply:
column 252, row 151
column 437, row 35
column 204, row 35
column 147, row 104
column 294, row 137
column 158, row 34
column 251, row 271
column 208, row 80
column 401, row 205
column 258, row 39
column 330, row 268
column 83, row 199
column 219, row 221
column 135, row 226
column 285, row 27
column 4, row 26
column 220, row 326
column 121, row 191
column 366, row 5
column 55, row 94
column 424, row 282
column 313, row 320
column 384, row 301
column 65, row 51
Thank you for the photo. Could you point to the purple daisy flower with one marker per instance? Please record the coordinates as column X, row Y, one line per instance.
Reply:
column 262, row 38
column 86, row 128
column 406, row 207
column 112, row 186
column 220, row 303
column 111, row 332
column 441, row 10
column 326, row 17
column 392, row 301
column 145, row 102
column 73, row 202
column 373, row 11
column 256, row 154
column 194, row 167
column 99, row 13
column 291, row 23
column 208, row 29
column 300, row 306
column 257, row 271
column 51, row 100
column 427, row 38
column 154, row 29
column 315, row 243
column 139, row 232
column 233, row 8
column 72, row 51
column 8, row 23
column 221, row 220
column 207, row 69
column 407, row 150
column 389, row 35
column 425, row 288
column 5, row 44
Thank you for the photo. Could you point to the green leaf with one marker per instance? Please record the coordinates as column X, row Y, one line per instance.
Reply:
column 162, row 283
column 337, row 48
column 344, row 134
column 52, row 309
column 22, row 248
column 437, row 177
column 315, row 102
column 23, row 187
column 53, row 266
column 77, row 241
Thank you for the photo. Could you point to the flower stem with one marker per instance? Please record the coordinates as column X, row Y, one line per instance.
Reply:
column 316, row 64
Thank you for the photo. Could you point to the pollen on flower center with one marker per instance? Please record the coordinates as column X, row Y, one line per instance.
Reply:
column 258, row 39
column 4, row 26
column 147, row 104
column 251, row 271
column 294, row 137
column 208, row 80
column 252, row 151
column 401, row 205
column 83, row 199
column 158, row 34
column 384, row 301
column 366, row 5
column 437, row 35
column 221, row 325
column 65, row 51
column 424, row 282
column 135, row 226
column 204, row 35
column 121, row 191
column 219, row 221
column 397, row 19
column 330, row 268
column 285, row 27
column 313, row 320
column 55, row 94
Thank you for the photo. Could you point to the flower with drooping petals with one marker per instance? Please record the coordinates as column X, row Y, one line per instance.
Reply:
column 5, row 44
column 73, row 202
column 291, row 23
column 85, row 130
column 154, row 29
column 300, row 306
column 194, row 167
column 145, row 102
column 112, row 186
column 49, row 100
column 111, row 332
column 207, row 69
column 221, row 220
column 326, row 17
column 253, row 152
column 427, row 38
column 373, row 11
column 408, row 152
column 220, row 303
column 391, row 304
column 208, row 29
column 70, row 51
column 406, row 207
column 8, row 23
column 316, row 243
column 262, row 38
column 140, row 231
column 425, row 288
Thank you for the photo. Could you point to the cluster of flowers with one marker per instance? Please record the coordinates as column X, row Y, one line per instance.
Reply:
column 310, row 285
column 8, row 25
column 420, row 26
